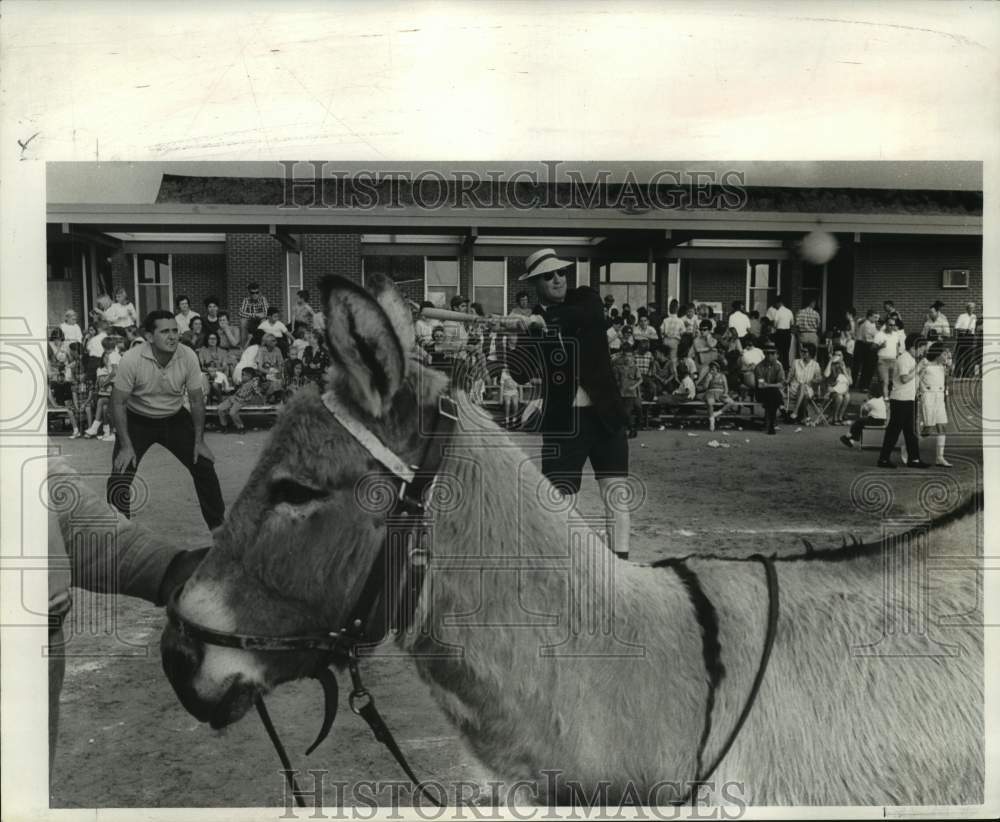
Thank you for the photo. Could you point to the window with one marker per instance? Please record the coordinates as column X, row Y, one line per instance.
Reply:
column 154, row 286
column 763, row 282
column 440, row 280
column 955, row 278
column 626, row 282
column 293, row 281
column 489, row 284
column 812, row 285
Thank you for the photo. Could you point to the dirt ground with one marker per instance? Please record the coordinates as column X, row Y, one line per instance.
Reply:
column 125, row 741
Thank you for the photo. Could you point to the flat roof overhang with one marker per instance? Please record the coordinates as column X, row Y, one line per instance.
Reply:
column 186, row 218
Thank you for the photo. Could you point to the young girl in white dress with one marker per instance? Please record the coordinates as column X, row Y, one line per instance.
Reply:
column 932, row 375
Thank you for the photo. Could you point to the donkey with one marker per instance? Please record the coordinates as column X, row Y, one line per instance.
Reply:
column 507, row 642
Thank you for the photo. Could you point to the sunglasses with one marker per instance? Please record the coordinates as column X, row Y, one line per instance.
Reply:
column 548, row 276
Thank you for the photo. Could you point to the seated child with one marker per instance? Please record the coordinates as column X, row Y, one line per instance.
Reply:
column 840, row 388
column 299, row 345
column 218, row 385
column 297, row 379
column 685, row 390
column 714, row 388
column 874, row 413
column 250, row 392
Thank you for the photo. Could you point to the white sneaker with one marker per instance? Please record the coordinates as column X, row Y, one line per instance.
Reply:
column 75, row 435
column 94, row 430
column 942, row 462
column 107, row 438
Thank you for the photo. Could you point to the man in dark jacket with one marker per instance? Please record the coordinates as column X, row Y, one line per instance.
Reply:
column 582, row 413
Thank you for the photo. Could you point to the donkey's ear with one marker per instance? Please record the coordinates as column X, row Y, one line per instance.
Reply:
column 368, row 364
column 396, row 308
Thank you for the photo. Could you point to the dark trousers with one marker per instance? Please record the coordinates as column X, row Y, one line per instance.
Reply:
column 864, row 422
column 771, row 399
column 783, row 341
column 869, row 365
column 901, row 419
column 176, row 434
column 858, row 365
column 965, row 354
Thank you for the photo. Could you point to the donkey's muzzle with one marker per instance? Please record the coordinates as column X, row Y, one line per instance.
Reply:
column 182, row 658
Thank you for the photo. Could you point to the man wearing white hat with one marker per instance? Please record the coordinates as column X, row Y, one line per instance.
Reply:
column 582, row 414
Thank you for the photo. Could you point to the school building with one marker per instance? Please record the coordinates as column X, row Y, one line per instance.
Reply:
column 642, row 241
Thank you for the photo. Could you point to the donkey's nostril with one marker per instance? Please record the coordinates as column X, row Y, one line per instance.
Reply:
column 181, row 660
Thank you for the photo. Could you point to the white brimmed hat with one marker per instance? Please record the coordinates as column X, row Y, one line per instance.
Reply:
column 541, row 262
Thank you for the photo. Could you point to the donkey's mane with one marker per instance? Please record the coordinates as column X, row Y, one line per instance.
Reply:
column 844, row 552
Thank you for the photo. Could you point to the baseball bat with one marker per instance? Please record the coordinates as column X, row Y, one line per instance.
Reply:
column 463, row 317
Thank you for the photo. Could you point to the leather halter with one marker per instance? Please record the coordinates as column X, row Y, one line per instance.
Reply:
column 388, row 600
column 411, row 506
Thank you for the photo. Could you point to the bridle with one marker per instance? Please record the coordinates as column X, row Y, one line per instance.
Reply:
column 388, row 602
column 389, row 596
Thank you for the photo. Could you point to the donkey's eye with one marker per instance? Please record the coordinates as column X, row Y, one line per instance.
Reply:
column 294, row 493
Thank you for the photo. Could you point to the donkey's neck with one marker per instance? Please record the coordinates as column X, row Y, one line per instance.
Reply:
column 526, row 617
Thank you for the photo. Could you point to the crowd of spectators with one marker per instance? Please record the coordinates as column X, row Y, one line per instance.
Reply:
column 256, row 360
column 692, row 355
column 687, row 354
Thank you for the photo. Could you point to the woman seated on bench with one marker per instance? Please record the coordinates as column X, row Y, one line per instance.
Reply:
column 803, row 379
column 714, row 389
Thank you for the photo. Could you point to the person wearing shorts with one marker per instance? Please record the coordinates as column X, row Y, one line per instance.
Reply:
column 583, row 418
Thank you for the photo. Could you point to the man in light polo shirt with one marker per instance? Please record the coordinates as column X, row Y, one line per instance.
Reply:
column 147, row 404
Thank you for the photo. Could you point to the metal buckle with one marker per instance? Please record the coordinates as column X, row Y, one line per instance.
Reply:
column 411, row 505
column 447, row 407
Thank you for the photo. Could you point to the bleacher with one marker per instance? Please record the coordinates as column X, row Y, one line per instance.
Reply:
column 739, row 411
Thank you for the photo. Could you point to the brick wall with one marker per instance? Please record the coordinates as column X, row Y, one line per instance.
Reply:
column 253, row 257
column 718, row 281
column 122, row 273
column 199, row 276
column 907, row 270
column 326, row 254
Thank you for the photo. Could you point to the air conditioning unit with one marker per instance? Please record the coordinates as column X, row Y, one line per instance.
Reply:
column 955, row 278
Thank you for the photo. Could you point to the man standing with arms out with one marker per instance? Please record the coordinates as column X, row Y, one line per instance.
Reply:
column 782, row 320
column 253, row 310
column 902, row 407
column 582, row 414
column 147, row 406
column 965, row 341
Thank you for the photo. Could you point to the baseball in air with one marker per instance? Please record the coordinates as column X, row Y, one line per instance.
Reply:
column 818, row 247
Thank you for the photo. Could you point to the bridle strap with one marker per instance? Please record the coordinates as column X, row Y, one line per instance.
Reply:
column 396, row 577
column 773, row 607
column 372, row 444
